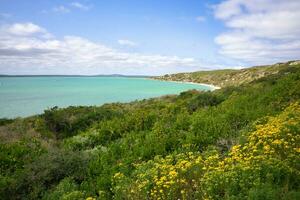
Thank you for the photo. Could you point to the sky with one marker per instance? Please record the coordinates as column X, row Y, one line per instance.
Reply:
column 145, row 37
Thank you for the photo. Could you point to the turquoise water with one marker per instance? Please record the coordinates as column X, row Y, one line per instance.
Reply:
column 25, row 96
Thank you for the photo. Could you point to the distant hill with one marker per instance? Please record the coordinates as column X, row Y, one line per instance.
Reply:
column 228, row 77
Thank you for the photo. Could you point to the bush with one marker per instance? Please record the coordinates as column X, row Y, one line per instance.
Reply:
column 48, row 170
column 68, row 122
column 64, row 188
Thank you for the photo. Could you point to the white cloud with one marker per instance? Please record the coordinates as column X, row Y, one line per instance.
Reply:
column 200, row 19
column 80, row 6
column 127, row 43
column 61, row 9
column 68, row 8
column 24, row 29
column 33, row 53
column 260, row 31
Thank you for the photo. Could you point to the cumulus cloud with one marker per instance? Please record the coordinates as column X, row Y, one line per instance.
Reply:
column 259, row 31
column 24, row 29
column 127, row 43
column 29, row 52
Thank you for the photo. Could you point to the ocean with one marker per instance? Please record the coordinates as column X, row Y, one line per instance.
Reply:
column 25, row 96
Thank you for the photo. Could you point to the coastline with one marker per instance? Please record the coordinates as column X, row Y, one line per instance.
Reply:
column 214, row 87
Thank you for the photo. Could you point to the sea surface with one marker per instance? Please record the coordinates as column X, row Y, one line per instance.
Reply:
column 25, row 96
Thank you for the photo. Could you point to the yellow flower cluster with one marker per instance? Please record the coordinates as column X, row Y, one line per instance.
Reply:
column 175, row 176
column 272, row 146
column 90, row 198
column 118, row 175
column 171, row 177
column 275, row 139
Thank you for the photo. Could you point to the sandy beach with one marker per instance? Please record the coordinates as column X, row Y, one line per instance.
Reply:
column 214, row 87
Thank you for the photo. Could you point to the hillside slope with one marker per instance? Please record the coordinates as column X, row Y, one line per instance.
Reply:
column 239, row 142
column 228, row 77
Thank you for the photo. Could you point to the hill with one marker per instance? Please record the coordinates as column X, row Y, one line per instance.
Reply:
column 238, row 142
column 228, row 77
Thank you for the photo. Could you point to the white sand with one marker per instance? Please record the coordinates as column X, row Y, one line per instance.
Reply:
column 214, row 87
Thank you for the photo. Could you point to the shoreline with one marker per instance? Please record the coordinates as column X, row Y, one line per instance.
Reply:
column 214, row 87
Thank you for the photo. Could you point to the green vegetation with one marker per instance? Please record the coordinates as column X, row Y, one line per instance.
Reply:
column 228, row 77
column 239, row 142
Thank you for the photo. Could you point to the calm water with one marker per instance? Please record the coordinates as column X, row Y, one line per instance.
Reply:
column 25, row 96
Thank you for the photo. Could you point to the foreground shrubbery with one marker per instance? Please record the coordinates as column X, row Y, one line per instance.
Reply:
column 234, row 143
column 265, row 166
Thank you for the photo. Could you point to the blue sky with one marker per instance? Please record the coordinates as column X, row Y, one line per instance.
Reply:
column 144, row 36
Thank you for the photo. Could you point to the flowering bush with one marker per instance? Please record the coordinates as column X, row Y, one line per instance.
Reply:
column 266, row 164
column 164, row 178
column 269, row 156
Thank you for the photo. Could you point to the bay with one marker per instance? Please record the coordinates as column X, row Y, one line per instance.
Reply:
column 25, row 96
